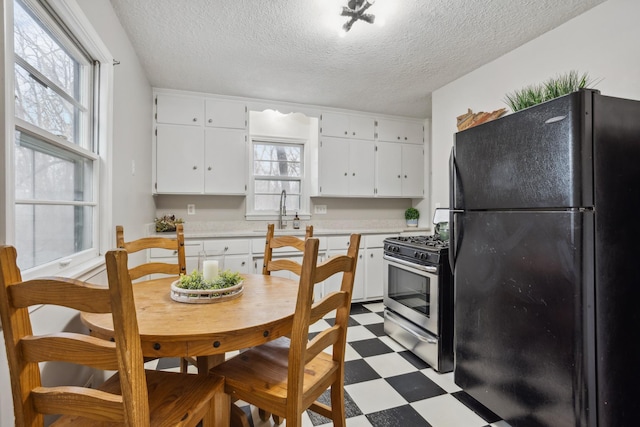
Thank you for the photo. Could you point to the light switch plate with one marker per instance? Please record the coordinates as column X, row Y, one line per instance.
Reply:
column 320, row 209
column 191, row 209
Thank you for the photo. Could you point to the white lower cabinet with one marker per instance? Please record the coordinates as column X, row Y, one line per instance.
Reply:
column 338, row 245
column 191, row 250
column 374, row 266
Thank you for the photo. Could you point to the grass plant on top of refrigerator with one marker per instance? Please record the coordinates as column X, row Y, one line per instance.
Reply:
column 550, row 89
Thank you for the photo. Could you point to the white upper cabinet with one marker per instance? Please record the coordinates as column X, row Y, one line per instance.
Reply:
column 347, row 126
column 346, row 167
column 179, row 110
column 225, row 161
column 225, row 114
column 179, row 159
column 198, row 153
column 399, row 170
column 400, row 131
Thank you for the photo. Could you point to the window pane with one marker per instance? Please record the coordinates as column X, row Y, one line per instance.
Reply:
column 45, row 233
column 46, row 172
column 34, row 44
column 42, row 107
column 273, row 186
column 277, row 160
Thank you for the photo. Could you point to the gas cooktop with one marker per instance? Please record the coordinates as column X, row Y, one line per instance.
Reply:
column 420, row 242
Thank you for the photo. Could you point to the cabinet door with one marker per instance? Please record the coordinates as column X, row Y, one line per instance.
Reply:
column 225, row 161
column 374, row 273
column 335, row 125
column 237, row 263
column 225, row 114
column 400, row 131
column 412, row 170
column 361, row 168
column 179, row 110
column 333, row 168
column 362, row 128
column 179, row 160
column 388, row 169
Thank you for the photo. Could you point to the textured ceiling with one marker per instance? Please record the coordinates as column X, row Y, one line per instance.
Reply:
column 290, row 50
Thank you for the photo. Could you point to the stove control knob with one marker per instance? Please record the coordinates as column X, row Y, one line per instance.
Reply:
column 396, row 249
column 424, row 256
column 416, row 254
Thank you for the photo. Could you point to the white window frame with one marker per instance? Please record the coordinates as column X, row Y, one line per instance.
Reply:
column 303, row 212
column 70, row 13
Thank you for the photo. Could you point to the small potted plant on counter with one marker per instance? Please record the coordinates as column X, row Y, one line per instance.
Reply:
column 412, row 215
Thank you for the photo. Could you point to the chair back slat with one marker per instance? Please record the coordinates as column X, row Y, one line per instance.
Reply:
column 79, row 401
column 70, row 347
column 61, row 291
column 175, row 244
column 321, row 341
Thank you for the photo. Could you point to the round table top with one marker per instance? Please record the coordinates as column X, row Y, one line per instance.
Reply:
column 263, row 312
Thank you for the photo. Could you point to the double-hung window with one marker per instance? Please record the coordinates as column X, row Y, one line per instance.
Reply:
column 55, row 153
column 277, row 176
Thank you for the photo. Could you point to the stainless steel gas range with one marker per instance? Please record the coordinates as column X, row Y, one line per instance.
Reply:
column 418, row 298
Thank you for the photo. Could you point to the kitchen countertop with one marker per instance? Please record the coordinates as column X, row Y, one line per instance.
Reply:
column 220, row 229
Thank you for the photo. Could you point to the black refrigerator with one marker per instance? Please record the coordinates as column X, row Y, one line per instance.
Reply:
column 545, row 225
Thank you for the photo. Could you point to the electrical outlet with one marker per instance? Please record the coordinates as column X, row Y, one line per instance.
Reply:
column 191, row 209
column 320, row 209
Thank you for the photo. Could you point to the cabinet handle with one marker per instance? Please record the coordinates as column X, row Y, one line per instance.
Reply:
column 354, row 174
column 345, row 174
column 346, row 133
column 210, row 120
column 243, row 263
column 175, row 252
column 399, row 176
column 209, row 168
column 371, row 255
column 226, row 248
column 405, row 176
column 360, row 256
column 195, row 119
column 195, row 167
column 405, row 138
column 354, row 134
column 398, row 138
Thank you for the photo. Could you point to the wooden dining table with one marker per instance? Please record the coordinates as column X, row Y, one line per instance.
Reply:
column 169, row 328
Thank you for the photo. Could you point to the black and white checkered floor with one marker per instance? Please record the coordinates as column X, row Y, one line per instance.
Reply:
column 385, row 385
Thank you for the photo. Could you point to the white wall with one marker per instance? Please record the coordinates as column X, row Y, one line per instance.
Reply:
column 604, row 42
column 132, row 203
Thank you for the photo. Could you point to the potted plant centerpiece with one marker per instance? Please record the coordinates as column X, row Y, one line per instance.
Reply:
column 411, row 215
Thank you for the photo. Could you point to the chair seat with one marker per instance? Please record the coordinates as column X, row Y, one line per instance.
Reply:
column 261, row 374
column 171, row 399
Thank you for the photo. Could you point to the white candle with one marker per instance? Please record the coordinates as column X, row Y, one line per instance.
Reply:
column 210, row 270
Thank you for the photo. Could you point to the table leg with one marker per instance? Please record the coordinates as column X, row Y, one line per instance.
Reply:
column 207, row 362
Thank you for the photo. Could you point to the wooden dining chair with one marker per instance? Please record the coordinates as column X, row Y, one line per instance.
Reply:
column 132, row 396
column 286, row 376
column 175, row 244
column 274, row 242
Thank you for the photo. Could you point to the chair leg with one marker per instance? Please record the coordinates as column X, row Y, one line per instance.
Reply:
column 219, row 410
column 337, row 405
column 184, row 365
column 264, row 415
column 277, row 419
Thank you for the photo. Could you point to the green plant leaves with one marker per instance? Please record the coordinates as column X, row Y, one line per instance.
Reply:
column 548, row 90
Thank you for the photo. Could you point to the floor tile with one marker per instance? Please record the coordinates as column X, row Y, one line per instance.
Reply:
column 370, row 347
column 413, row 359
column 403, row 415
column 446, row 411
column 377, row 307
column 358, row 333
column 376, row 395
column 367, row 318
column 356, row 371
column 389, row 365
column 350, row 409
column 393, row 344
column 415, row 386
column 443, row 380
column 376, row 329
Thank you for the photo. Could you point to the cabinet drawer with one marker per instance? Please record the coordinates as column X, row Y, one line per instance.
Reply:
column 227, row 246
column 190, row 249
column 341, row 242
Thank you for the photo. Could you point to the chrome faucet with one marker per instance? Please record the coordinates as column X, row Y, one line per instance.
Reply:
column 283, row 209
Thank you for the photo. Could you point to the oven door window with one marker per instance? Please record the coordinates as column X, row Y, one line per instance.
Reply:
column 410, row 289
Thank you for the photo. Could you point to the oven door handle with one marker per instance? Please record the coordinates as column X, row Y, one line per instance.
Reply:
column 427, row 268
column 397, row 321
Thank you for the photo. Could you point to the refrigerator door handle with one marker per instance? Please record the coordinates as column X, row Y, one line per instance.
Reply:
column 453, row 188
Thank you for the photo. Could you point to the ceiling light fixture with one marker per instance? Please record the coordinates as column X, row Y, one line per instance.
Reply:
column 355, row 10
